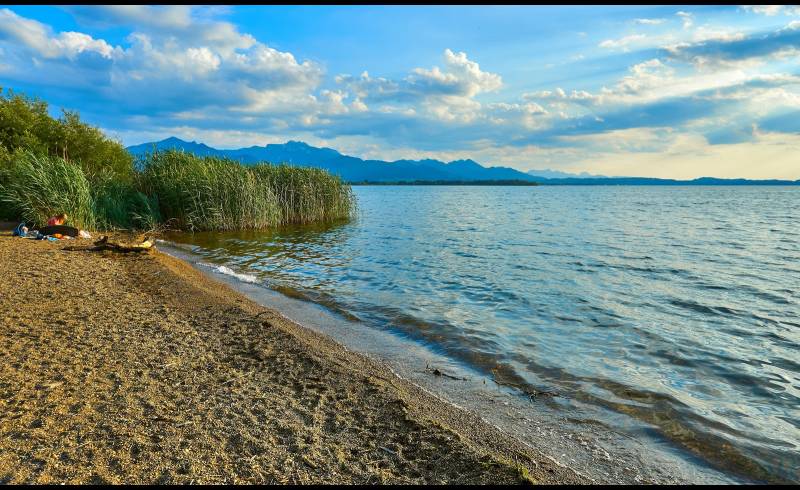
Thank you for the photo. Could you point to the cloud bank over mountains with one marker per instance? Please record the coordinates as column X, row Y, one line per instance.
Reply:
column 696, row 98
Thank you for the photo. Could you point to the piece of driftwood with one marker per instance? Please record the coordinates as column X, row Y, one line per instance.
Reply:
column 439, row 372
column 105, row 244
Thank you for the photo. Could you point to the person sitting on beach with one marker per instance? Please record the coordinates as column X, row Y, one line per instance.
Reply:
column 58, row 219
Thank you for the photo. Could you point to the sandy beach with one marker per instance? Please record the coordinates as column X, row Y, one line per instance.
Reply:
column 137, row 368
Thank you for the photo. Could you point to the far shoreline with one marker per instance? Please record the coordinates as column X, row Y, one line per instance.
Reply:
column 585, row 183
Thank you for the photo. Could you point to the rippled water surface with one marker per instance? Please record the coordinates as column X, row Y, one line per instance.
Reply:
column 677, row 308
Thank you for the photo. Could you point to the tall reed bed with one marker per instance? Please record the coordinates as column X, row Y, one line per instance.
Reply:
column 208, row 193
column 186, row 191
column 211, row 193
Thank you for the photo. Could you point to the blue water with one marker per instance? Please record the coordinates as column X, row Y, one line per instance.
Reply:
column 677, row 308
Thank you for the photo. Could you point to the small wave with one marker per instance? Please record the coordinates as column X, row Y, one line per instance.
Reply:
column 230, row 272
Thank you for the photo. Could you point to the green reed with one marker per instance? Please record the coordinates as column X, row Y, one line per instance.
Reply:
column 180, row 189
column 35, row 187
column 210, row 193
column 306, row 195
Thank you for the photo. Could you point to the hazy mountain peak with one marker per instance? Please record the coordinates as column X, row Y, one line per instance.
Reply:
column 354, row 169
column 465, row 162
column 349, row 168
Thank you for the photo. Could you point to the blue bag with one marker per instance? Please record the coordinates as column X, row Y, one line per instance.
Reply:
column 18, row 231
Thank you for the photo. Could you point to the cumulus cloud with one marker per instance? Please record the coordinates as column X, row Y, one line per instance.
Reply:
column 644, row 82
column 40, row 40
column 461, row 77
column 447, row 93
column 213, row 65
column 189, row 24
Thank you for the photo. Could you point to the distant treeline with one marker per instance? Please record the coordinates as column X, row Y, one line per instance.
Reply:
column 645, row 181
column 667, row 182
column 50, row 166
column 449, row 182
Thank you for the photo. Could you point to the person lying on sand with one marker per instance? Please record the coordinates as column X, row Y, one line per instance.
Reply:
column 64, row 232
column 58, row 219
column 54, row 230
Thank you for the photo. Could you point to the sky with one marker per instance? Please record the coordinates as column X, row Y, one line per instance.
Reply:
column 661, row 91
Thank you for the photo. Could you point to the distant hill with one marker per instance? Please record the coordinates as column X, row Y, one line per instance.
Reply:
column 351, row 169
column 356, row 170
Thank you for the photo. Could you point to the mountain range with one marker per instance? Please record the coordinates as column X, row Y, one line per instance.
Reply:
column 357, row 170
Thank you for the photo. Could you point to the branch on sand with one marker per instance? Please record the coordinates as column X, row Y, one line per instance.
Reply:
column 105, row 244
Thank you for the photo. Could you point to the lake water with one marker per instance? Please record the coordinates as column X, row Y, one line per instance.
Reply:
column 675, row 311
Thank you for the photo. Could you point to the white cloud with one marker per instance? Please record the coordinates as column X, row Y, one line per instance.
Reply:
column 623, row 42
column 646, row 82
column 649, row 22
column 673, row 39
column 686, row 18
column 558, row 96
column 169, row 17
column 187, row 25
column 202, row 59
column 461, row 77
column 657, row 80
column 173, row 73
column 625, row 140
column 722, row 49
column 39, row 38
column 795, row 24
column 772, row 10
column 447, row 94
column 764, row 9
column 529, row 115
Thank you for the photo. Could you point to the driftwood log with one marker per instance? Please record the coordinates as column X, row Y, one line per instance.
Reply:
column 105, row 244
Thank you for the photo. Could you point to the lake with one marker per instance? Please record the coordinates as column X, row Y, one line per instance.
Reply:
column 674, row 311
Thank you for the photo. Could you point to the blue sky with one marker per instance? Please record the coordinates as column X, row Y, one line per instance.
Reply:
column 660, row 91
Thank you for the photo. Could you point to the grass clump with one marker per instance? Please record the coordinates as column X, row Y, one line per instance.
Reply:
column 119, row 204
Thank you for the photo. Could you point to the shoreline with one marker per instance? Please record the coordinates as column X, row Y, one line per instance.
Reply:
column 141, row 369
column 577, row 435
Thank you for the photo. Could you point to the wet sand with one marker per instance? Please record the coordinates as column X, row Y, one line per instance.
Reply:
column 128, row 368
